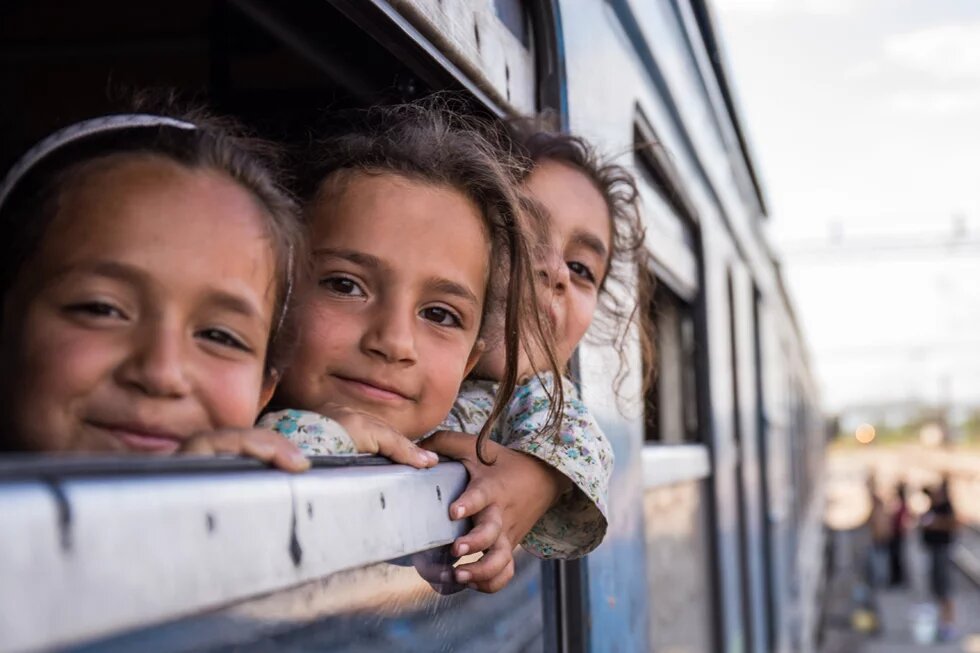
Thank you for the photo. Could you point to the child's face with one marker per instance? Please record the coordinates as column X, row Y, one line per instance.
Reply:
column 143, row 317
column 391, row 326
column 577, row 259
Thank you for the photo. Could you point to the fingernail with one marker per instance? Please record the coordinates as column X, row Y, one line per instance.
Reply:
column 458, row 512
column 463, row 549
column 432, row 455
column 463, row 576
column 298, row 459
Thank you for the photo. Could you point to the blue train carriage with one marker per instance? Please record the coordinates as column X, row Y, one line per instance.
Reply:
column 715, row 539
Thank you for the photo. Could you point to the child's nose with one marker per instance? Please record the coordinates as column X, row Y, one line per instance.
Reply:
column 561, row 277
column 157, row 365
column 391, row 334
column 552, row 272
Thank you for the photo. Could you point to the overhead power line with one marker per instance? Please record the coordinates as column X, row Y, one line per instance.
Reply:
column 872, row 246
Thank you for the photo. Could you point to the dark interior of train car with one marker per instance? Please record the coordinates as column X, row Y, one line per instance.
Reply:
column 276, row 66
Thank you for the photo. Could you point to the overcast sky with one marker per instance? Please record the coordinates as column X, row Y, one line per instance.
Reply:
column 864, row 118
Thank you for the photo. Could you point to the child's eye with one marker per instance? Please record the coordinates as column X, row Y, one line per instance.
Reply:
column 581, row 270
column 342, row 286
column 441, row 316
column 96, row 309
column 224, row 338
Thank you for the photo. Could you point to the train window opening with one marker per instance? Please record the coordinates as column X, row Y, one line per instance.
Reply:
column 277, row 67
column 671, row 403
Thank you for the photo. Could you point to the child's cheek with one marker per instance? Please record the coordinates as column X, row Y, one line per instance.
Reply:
column 447, row 375
column 64, row 362
column 58, row 372
column 230, row 394
column 330, row 330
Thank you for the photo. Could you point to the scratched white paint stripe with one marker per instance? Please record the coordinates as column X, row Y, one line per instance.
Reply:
column 118, row 553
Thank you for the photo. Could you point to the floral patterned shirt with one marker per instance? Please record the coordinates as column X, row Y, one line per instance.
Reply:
column 578, row 449
column 577, row 523
column 314, row 434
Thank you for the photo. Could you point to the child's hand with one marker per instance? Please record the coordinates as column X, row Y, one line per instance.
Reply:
column 261, row 444
column 373, row 435
column 504, row 499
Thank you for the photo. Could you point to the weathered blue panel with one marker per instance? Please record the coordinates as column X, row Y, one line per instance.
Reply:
column 617, row 570
column 678, row 550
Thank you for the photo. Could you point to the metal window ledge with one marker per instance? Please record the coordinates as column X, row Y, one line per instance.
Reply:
column 669, row 464
column 86, row 556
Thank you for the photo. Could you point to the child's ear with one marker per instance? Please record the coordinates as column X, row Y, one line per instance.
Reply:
column 479, row 347
column 269, row 383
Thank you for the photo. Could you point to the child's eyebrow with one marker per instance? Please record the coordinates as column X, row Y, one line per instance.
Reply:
column 130, row 274
column 352, row 255
column 449, row 287
column 109, row 269
column 234, row 303
column 590, row 241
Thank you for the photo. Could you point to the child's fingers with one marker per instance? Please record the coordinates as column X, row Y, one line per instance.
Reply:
column 458, row 446
column 474, row 498
column 489, row 525
column 373, row 435
column 400, row 449
column 492, row 571
column 496, row 583
column 196, row 446
column 260, row 444
column 273, row 448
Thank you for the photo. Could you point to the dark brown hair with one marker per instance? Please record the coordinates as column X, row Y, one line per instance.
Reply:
column 437, row 141
column 628, row 256
column 214, row 143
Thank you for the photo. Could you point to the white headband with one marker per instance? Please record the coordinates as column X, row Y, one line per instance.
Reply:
column 79, row 131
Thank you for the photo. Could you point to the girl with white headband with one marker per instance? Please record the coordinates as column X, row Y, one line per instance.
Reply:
column 145, row 275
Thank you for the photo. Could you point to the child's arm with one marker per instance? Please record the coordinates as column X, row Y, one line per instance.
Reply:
column 337, row 430
column 579, row 450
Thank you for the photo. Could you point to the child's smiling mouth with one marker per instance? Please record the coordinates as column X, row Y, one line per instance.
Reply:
column 372, row 390
column 140, row 437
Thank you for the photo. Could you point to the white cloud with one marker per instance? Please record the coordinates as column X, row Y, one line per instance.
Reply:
column 789, row 7
column 864, row 70
column 937, row 103
column 747, row 6
column 948, row 52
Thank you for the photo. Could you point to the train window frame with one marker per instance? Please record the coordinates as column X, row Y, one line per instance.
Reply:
column 673, row 238
column 427, row 65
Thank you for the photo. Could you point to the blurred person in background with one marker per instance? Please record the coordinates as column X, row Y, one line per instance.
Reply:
column 939, row 528
column 896, row 545
column 879, row 524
